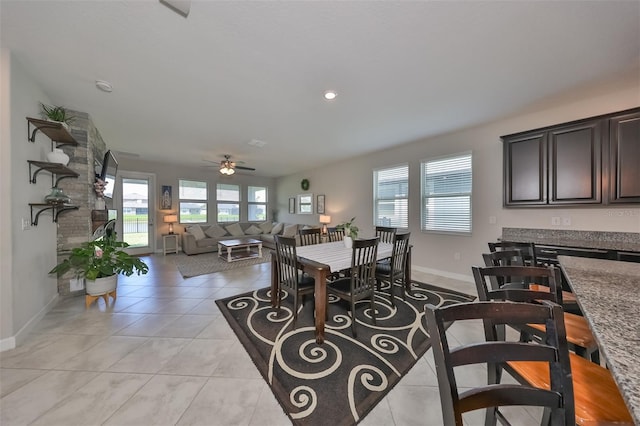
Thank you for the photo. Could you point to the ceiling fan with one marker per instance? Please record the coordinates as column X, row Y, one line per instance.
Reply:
column 227, row 167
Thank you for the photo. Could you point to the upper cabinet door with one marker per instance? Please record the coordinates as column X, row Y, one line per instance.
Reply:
column 624, row 158
column 575, row 163
column 525, row 177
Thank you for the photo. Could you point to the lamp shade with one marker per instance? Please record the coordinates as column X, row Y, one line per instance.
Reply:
column 325, row 219
column 170, row 218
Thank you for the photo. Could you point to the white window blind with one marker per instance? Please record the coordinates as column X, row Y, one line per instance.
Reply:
column 391, row 196
column 446, row 194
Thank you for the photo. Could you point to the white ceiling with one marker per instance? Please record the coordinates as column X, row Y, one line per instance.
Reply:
column 197, row 88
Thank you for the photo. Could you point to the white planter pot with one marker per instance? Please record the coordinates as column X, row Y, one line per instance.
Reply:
column 101, row 285
column 58, row 156
column 348, row 242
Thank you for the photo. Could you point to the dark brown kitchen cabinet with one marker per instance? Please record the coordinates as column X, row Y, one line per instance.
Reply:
column 624, row 158
column 575, row 157
column 592, row 161
column 525, row 169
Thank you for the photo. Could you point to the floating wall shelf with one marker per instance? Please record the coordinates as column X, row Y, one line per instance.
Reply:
column 53, row 129
column 43, row 207
column 57, row 170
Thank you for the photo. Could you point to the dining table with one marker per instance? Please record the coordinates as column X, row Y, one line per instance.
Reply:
column 607, row 293
column 321, row 261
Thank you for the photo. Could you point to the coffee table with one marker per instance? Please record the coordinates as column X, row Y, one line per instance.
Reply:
column 239, row 249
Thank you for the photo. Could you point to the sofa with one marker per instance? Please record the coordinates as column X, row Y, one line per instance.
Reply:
column 199, row 239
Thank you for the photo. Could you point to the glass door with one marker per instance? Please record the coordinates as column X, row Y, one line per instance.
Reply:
column 136, row 211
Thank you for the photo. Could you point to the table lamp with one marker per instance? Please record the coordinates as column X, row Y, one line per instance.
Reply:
column 170, row 219
column 324, row 220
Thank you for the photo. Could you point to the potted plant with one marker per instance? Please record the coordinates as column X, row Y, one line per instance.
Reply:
column 350, row 232
column 57, row 113
column 99, row 262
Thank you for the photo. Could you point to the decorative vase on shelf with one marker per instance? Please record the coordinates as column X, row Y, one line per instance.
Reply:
column 58, row 156
column 348, row 242
column 57, row 196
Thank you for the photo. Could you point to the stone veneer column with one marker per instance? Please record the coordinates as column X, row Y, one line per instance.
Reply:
column 74, row 226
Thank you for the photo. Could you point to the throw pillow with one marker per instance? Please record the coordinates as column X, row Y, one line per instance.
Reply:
column 277, row 228
column 266, row 227
column 215, row 231
column 253, row 230
column 196, row 231
column 235, row 230
column 290, row 231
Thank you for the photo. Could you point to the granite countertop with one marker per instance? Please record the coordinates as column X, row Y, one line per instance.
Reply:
column 608, row 293
column 620, row 241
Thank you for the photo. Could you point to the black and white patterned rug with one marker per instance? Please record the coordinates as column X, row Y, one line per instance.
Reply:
column 340, row 381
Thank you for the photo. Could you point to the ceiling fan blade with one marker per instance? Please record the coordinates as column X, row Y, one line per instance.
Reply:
column 244, row 168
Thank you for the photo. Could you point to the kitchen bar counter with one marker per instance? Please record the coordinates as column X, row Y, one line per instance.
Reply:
column 608, row 293
column 618, row 241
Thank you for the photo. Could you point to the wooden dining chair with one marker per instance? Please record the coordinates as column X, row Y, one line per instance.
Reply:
column 579, row 334
column 360, row 282
column 335, row 234
column 493, row 351
column 528, row 250
column 393, row 271
column 290, row 278
column 310, row 236
column 597, row 397
column 386, row 234
column 515, row 258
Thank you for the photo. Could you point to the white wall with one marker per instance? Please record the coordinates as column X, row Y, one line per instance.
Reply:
column 32, row 253
column 348, row 185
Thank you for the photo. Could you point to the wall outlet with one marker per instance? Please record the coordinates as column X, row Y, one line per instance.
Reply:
column 456, row 256
column 76, row 284
column 566, row 221
column 26, row 223
column 492, row 220
column 555, row 221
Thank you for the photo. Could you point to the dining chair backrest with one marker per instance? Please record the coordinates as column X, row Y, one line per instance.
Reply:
column 493, row 351
column 335, row 234
column 495, row 289
column 363, row 265
column 386, row 233
column 528, row 250
column 287, row 259
column 399, row 254
column 310, row 236
column 505, row 258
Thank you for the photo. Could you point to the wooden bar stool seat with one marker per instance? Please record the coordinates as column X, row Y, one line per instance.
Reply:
column 596, row 395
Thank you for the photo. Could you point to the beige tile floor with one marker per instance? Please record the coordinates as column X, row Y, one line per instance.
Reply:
column 162, row 354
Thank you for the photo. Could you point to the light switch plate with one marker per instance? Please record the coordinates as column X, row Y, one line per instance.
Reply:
column 555, row 221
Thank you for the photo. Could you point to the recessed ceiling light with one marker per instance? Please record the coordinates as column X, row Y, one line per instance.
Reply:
column 105, row 86
column 330, row 95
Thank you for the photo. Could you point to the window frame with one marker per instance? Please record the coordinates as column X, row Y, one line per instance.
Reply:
column 404, row 216
column 424, row 197
column 182, row 200
column 258, row 203
column 228, row 202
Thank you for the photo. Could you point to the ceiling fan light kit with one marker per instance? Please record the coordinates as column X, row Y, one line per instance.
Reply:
column 227, row 167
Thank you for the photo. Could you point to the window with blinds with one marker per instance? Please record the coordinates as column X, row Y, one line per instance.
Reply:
column 391, row 196
column 446, row 194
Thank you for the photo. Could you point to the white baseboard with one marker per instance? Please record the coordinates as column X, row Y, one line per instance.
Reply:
column 13, row 341
column 460, row 277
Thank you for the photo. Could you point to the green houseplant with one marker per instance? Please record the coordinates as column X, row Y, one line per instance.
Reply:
column 56, row 113
column 350, row 230
column 101, row 258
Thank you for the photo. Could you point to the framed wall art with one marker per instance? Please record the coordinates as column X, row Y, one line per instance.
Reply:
column 320, row 204
column 165, row 197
